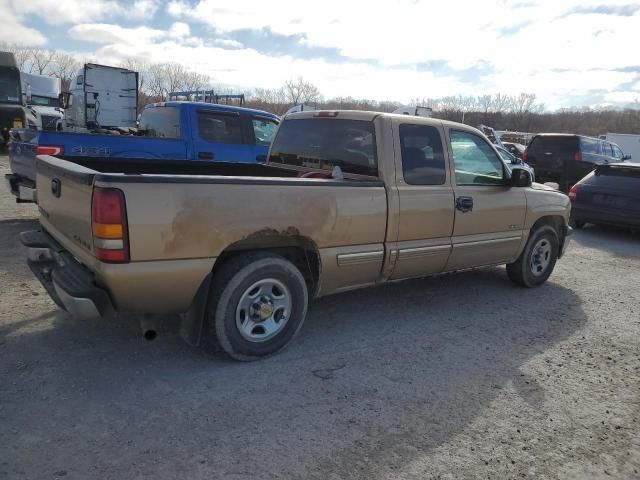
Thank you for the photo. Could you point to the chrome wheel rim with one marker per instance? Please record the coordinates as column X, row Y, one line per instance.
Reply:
column 540, row 257
column 263, row 310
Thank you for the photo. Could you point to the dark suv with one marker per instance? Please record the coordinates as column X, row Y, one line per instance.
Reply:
column 566, row 158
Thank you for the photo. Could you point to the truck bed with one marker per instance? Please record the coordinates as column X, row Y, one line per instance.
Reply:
column 189, row 218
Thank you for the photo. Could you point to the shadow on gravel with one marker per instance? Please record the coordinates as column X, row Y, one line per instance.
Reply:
column 376, row 378
column 617, row 241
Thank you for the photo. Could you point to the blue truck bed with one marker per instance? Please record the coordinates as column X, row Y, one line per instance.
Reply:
column 189, row 131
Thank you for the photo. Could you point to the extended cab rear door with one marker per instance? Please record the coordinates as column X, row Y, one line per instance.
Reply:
column 423, row 183
column 221, row 136
column 489, row 214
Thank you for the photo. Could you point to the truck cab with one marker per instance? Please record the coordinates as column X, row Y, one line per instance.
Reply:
column 42, row 95
column 13, row 113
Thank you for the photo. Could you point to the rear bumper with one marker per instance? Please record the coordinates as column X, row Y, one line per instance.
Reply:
column 605, row 217
column 23, row 188
column 66, row 281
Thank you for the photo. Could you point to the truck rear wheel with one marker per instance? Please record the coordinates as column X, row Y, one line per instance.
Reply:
column 536, row 262
column 259, row 302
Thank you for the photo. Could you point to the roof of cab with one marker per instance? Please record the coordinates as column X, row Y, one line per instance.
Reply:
column 369, row 116
column 214, row 106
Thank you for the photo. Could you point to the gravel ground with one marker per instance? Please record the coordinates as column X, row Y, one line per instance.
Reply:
column 461, row 376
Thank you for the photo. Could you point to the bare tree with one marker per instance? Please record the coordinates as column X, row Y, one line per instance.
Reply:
column 300, row 91
column 40, row 60
column 194, row 81
column 64, row 66
column 22, row 54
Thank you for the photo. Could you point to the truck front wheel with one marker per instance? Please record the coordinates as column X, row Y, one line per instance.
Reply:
column 258, row 302
column 536, row 262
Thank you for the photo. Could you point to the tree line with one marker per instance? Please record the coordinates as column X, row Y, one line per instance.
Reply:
column 522, row 112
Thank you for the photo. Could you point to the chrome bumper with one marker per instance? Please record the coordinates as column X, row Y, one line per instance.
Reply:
column 66, row 281
column 24, row 191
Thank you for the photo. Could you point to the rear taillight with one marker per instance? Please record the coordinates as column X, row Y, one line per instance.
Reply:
column 109, row 225
column 573, row 193
column 50, row 150
column 525, row 154
column 578, row 157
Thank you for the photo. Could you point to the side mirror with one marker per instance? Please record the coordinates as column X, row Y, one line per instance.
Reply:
column 515, row 161
column 520, row 177
column 626, row 156
column 28, row 93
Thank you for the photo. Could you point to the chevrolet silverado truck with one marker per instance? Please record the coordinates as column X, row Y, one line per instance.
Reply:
column 347, row 199
column 169, row 131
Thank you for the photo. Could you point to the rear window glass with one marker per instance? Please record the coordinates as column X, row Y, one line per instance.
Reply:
column 422, row 157
column 160, row 122
column 615, row 178
column 324, row 143
column 554, row 145
column 219, row 128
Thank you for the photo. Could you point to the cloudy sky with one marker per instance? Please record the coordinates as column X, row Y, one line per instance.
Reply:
column 567, row 52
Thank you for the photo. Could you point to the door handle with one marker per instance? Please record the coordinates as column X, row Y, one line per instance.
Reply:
column 464, row 204
column 205, row 155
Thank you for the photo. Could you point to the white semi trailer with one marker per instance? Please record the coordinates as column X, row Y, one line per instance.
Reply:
column 101, row 98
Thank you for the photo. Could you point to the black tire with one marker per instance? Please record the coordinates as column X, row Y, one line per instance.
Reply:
column 521, row 272
column 230, row 285
column 577, row 224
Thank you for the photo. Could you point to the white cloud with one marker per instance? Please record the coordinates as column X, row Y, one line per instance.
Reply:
column 179, row 30
column 559, row 57
column 13, row 31
column 622, row 97
column 104, row 33
column 60, row 12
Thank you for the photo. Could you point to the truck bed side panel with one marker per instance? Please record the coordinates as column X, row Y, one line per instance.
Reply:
column 190, row 221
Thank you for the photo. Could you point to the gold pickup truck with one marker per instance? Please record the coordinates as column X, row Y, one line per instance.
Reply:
column 347, row 199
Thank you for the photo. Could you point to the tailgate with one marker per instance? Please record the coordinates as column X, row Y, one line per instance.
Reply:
column 64, row 200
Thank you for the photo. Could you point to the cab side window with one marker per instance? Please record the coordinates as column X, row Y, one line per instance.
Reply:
column 219, row 128
column 476, row 163
column 263, row 131
column 422, row 156
column 617, row 152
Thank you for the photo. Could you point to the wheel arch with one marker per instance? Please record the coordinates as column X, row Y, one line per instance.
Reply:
column 558, row 222
column 299, row 250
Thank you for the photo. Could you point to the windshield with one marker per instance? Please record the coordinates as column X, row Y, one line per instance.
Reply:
column 9, row 86
column 44, row 101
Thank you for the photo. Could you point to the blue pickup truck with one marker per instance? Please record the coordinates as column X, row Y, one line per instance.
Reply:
column 171, row 131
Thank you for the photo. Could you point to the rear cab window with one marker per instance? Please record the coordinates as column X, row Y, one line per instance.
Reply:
column 325, row 143
column 160, row 122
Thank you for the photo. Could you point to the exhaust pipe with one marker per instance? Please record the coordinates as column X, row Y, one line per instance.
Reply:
column 149, row 328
